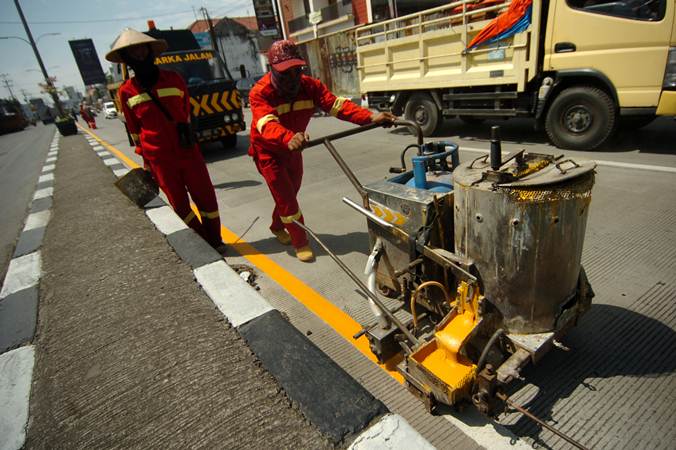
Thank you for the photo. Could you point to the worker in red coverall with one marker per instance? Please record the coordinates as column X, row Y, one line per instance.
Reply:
column 177, row 166
column 282, row 103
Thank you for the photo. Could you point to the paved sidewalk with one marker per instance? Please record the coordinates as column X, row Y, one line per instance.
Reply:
column 145, row 338
column 130, row 351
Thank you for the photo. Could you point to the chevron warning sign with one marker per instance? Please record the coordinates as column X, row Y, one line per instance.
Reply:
column 215, row 102
column 387, row 214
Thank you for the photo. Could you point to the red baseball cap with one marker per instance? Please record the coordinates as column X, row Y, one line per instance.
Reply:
column 284, row 55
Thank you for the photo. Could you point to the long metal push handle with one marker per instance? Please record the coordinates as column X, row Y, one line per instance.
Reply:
column 363, row 128
column 326, row 140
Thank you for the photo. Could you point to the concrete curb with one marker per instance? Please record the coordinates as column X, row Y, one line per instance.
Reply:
column 328, row 396
column 19, row 310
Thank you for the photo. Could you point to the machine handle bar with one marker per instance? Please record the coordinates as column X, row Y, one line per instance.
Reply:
column 361, row 129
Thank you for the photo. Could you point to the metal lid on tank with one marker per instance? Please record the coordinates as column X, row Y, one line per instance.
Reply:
column 521, row 169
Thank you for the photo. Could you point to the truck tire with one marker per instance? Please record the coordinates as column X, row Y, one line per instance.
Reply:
column 581, row 118
column 229, row 141
column 421, row 109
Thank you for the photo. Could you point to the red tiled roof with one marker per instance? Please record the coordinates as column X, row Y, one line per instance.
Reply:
column 249, row 22
column 200, row 26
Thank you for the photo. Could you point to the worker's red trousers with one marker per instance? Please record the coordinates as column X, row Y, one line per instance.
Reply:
column 284, row 176
column 188, row 174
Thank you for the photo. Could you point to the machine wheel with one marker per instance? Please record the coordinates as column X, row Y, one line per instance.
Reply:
column 420, row 108
column 472, row 120
column 229, row 142
column 635, row 122
column 581, row 118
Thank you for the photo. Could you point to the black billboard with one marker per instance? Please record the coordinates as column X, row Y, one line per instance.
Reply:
column 87, row 61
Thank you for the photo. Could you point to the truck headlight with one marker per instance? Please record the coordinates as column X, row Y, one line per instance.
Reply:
column 670, row 72
column 227, row 119
column 235, row 117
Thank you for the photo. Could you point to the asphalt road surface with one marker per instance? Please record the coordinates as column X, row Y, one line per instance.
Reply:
column 613, row 389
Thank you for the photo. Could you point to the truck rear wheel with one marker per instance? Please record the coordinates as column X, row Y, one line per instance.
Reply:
column 581, row 118
column 421, row 109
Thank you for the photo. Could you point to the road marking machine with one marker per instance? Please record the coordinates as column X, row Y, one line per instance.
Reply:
column 484, row 260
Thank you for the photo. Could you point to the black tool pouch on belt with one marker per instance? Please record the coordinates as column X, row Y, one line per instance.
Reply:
column 186, row 135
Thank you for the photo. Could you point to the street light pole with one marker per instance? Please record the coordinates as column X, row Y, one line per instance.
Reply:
column 50, row 86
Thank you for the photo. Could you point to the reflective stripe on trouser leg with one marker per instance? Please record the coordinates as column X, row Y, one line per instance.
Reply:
column 168, row 176
column 284, row 180
column 196, row 177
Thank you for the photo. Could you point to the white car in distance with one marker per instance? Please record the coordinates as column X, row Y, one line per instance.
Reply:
column 109, row 110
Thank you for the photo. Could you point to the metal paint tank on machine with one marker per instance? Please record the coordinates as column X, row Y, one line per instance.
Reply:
column 522, row 223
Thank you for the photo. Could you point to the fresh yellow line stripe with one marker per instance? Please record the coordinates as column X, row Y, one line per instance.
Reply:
column 335, row 317
column 128, row 162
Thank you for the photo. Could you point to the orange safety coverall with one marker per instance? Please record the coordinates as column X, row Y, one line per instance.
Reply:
column 275, row 121
column 178, row 170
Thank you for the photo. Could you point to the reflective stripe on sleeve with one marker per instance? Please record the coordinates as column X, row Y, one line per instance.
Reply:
column 169, row 92
column 337, row 106
column 291, row 218
column 135, row 100
column 265, row 119
column 209, row 214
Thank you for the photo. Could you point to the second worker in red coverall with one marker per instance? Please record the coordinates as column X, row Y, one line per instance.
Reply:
column 155, row 124
column 282, row 103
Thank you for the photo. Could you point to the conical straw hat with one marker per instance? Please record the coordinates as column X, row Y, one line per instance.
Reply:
column 129, row 38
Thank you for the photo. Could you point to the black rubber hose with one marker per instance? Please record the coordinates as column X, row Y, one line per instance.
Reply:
column 484, row 352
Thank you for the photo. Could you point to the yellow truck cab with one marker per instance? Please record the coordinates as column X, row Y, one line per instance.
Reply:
column 581, row 68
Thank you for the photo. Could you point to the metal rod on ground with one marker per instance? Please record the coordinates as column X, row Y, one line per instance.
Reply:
column 361, row 285
column 539, row 421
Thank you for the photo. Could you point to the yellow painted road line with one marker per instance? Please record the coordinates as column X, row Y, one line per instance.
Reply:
column 333, row 316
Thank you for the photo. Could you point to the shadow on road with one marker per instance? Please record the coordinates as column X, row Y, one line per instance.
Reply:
column 610, row 343
column 339, row 244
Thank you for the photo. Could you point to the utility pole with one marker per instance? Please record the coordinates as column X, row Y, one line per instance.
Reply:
column 8, row 84
column 214, row 42
column 50, row 86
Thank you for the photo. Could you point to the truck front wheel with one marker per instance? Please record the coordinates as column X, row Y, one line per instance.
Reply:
column 581, row 118
column 421, row 109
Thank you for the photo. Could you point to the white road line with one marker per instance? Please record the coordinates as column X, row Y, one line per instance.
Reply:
column 51, row 159
column 97, row 147
column 23, row 272
column 37, row 220
column 119, row 173
column 16, row 373
column 48, row 168
column 52, row 153
column 599, row 162
column 111, row 161
column 390, row 432
column 233, row 296
column 46, row 177
column 43, row 193
column 103, row 153
column 166, row 220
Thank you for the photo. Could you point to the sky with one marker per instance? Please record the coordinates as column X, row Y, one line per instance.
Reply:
column 99, row 20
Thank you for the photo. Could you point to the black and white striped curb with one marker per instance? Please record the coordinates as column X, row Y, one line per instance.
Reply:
column 19, row 309
column 327, row 395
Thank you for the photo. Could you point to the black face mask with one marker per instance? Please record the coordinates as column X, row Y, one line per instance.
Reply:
column 287, row 83
column 145, row 70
